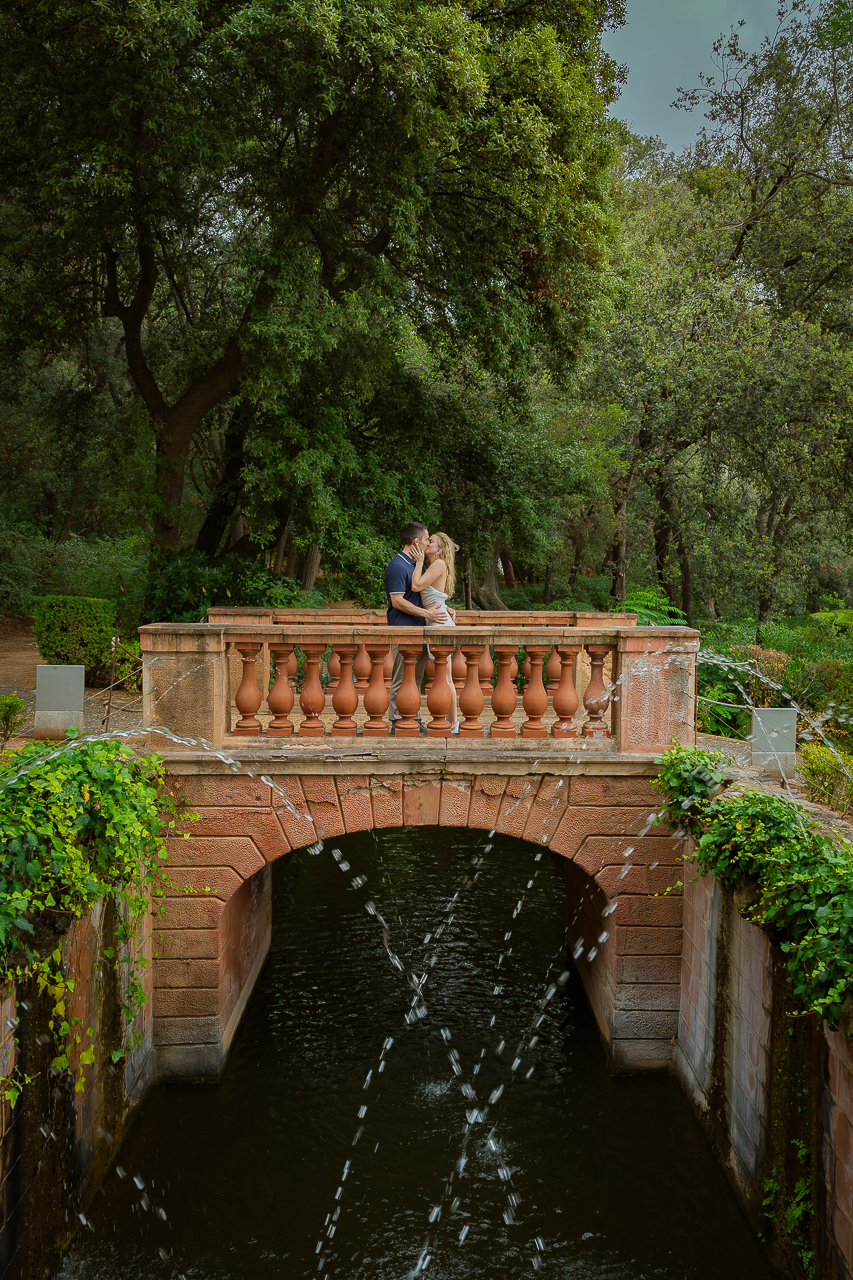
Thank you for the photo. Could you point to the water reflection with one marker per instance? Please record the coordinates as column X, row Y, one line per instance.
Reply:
column 601, row 1178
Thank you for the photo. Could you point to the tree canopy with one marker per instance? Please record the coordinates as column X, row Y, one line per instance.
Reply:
column 219, row 192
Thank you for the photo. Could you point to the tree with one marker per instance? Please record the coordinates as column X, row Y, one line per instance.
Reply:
column 219, row 189
column 725, row 393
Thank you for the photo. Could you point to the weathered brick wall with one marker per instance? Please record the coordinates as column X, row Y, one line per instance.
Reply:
column 215, row 940
column 839, row 1146
column 56, row 1144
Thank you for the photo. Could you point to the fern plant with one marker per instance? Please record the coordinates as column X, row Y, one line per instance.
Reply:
column 652, row 608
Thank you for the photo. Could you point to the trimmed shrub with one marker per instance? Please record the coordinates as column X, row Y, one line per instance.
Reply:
column 76, row 630
column 828, row 776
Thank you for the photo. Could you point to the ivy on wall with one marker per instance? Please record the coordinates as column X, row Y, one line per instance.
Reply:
column 79, row 824
column 794, row 880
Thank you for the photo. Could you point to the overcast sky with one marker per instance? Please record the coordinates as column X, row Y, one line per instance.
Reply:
column 666, row 43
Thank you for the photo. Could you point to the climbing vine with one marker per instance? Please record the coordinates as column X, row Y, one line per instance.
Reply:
column 797, row 881
column 78, row 825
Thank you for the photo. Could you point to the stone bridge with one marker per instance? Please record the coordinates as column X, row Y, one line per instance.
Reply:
column 283, row 740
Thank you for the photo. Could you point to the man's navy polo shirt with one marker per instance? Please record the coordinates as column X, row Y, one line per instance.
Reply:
column 398, row 579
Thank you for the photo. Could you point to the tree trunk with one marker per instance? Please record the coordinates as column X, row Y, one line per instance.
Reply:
column 664, row 527
column 486, row 595
column 281, row 547
column 546, row 595
column 311, row 567
column 573, row 576
column 686, row 582
column 73, row 501
column 469, row 573
column 230, row 486
column 292, row 559
column 618, row 556
column 507, row 566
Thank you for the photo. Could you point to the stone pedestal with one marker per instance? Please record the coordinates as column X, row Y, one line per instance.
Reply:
column 59, row 700
column 774, row 739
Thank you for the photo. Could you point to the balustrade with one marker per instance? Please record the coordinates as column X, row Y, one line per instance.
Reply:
column 355, row 701
column 281, row 697
column 377, row 697
column 248, row 698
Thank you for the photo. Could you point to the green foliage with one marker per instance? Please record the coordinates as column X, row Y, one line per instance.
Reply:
column 78, row 824
column 720, row 704
column 13, row 716
column 652, row 607
column 76, row 630
column 33, row 565
column 185, row 584
column 804, row 878
column 840, row 618
column 467, row 152
column 828, row 776
column 804, row 662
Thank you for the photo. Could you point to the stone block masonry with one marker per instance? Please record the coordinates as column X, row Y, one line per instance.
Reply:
column 214, row 939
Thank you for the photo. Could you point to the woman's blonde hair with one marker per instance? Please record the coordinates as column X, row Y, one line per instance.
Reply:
column 447, row 552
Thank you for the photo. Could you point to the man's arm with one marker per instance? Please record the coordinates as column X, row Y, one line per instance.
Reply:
column 399, row 601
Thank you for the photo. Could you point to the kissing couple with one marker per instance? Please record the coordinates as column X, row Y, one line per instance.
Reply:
column 418, row 583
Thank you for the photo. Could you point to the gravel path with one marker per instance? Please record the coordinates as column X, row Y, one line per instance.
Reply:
column 19, row 658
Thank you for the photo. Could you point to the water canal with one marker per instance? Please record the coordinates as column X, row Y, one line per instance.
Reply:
column 571, row 1172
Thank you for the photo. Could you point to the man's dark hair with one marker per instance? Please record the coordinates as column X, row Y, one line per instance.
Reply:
column 410, row 531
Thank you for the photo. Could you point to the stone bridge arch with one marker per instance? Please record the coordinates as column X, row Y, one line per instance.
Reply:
column 214, row 939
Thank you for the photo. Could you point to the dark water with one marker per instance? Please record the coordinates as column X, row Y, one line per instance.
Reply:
column 612, row 1176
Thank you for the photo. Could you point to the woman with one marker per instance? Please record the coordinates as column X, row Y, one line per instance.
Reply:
column 436, row 584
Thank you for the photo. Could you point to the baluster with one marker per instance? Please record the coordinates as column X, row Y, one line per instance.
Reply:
column 526, row 667
column 439, row 700
column 535, row 698
column 247, row 699
column 505, row 694
column 429, row 672
column 377, row 697
column 566, row 695
column 313, row 698
column 471, row 699
column 596, row 698
column 409, row 695
column 458, row 668
column 280, row 699
column 292, row 668
column 486, row 671
column 552, row 671
column 335, row 672
column 345, row 696
column 388, row 668
column 361, row 667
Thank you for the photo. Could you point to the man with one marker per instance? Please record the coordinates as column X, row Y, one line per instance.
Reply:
column 405, row 609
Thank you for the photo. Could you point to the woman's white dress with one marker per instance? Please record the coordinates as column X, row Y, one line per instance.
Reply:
column 431, row 597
